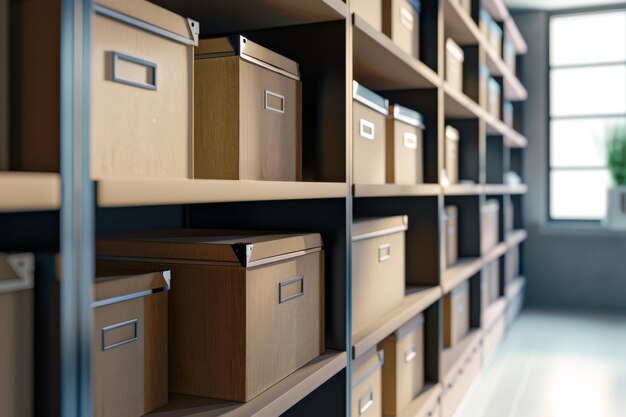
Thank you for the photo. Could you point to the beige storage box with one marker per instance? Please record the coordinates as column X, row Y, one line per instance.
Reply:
column 493, row 97
column 368, row 135
column 367, row 384
column 141, row 91
column 507, row 113
column 489, row 229
column 490, row 283
column 483, row 90
column 484, row 21
column 378, row 268
column 495, row 37
column 454, row 65
column 511, row 265
column 403, row 371
column 246, row 309
column 369, row 10
column 510, row 56
column 452, row 154
column 130, row 344
column 16, row 334
column 450, row 226
column 404, row 146
column 456, row 314
column 401, row 22
column 248, row 112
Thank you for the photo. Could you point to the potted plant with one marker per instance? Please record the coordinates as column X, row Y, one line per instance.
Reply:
column 616, row 155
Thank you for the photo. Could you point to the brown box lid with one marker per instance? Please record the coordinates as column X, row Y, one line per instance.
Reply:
column 109, row 290
column 250, row 51
column 370, row 227
column 242, row 248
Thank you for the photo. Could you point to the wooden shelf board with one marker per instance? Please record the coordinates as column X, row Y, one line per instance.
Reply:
column 453, row 357
column 458, row 25
column 494, row 189
column 512, row 138
column 515, row 287
column 513, row 33
column 461, row 271
column 496, row 9
column 496, row 252
column 400, row 71
column 272, row 402
column 492, row 313
column 136, row 192
column 219, row 17
column 513, row 88
column 426, row 400
column 462, row 189
column 459, row 106
column 417, row 299
column 516, row 237
column 396, row 190
column 29, row 191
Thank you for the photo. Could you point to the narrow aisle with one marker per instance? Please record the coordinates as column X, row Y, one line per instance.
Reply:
column 555, row 365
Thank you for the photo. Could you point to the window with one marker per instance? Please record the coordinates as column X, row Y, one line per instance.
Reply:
column 587, row 99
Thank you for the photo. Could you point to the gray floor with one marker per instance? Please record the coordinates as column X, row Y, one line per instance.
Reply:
column 554, row 365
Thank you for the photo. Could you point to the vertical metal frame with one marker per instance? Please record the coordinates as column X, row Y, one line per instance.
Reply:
column 77, row 211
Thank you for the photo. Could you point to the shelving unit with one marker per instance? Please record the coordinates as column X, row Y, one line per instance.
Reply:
column 40, row 218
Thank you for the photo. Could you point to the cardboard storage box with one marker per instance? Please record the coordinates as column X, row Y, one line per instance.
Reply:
column 509, row 216
column 16, row 334
column 367, row 384
column 368, row 135
column 507, row 113
column 404, row 151
column 377, row 268
column 452, row 154
column 369, row 10
column 401, row 22
column 246, row 308
column 248, row 112
column 510, row 56
column 141, row 91
column 450, row 226
column 489, row 225
column 454, row 65
column 490, row 283
column 130, row 344
column 495, row 37
column 493, row 97
column 403, row 371
column 456, row 314
column 511, row 265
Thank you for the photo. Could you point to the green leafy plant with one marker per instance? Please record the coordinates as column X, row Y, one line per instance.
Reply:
column 616, row 154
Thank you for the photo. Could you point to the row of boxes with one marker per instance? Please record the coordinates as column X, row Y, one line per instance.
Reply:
column 244, row 310
column 165, row 104
column 387, row 140
column 398, row 19
column 386, row 379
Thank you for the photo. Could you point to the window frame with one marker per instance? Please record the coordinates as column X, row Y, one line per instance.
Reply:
column 551, row 14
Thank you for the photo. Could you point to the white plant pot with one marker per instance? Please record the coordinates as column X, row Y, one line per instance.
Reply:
column 616, row 210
